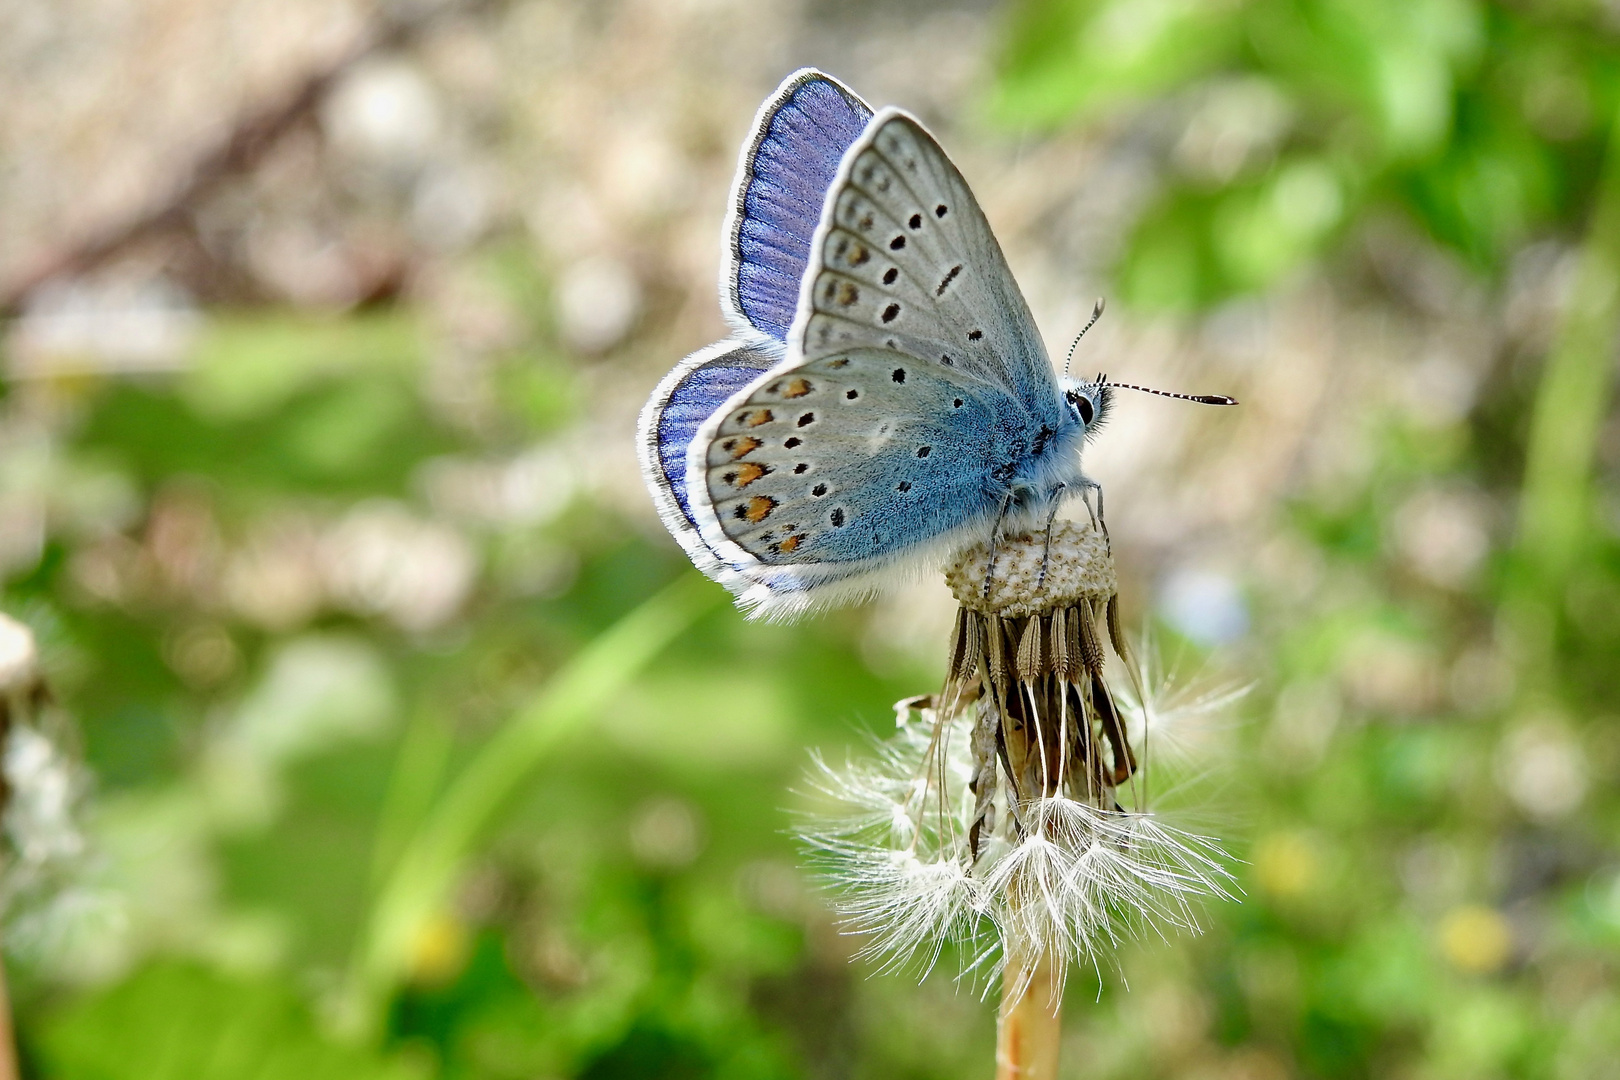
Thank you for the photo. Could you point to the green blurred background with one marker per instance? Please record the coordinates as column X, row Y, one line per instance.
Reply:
column 402, row 742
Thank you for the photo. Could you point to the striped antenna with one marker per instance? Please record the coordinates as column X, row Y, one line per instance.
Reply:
column 1202, row 399
column 1096, row 313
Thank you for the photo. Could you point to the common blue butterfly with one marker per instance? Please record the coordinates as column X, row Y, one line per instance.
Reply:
column 884, row 397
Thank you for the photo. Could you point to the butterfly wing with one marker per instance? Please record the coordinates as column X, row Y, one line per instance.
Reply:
column 799, row 139
column 822, row 474
column 915, row 385
column 686, row 397
column 907, row 261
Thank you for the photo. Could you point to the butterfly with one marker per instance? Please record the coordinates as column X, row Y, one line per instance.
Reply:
column 884, row 397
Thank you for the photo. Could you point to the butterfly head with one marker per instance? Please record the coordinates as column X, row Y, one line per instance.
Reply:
column 1088, row 402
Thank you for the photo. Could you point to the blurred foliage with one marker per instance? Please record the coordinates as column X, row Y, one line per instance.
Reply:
column 1434, row 871
column 355, row 621
column 1485, row 123
column 278, row 724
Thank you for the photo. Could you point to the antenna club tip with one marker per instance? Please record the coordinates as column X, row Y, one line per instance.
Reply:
column 1215, row 399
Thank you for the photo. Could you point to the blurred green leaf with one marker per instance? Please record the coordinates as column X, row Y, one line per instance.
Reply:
column 180, row 1022
column 248, row 365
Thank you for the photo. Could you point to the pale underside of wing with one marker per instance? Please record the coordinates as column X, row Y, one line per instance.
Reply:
column 906, row 261
column 847, row 459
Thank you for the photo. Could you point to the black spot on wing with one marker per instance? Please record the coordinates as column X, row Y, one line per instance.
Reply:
column 949, row 277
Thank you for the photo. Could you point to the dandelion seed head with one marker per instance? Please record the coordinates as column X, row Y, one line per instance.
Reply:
column 991, row 821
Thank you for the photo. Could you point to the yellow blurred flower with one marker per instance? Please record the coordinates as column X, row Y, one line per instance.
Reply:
column 439, row 951
column 1285, row 864
column 1476, row 939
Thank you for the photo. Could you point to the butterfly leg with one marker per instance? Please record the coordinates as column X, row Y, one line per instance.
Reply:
column 1046, row 549
column 1098, row 520
column 995, row 535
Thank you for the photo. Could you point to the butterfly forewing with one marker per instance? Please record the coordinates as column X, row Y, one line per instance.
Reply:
column 908, row 262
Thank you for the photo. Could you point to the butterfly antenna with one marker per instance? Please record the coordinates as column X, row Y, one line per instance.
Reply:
column 1096, row 313
column 1202, row 399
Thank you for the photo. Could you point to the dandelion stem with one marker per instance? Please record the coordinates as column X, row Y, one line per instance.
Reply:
column 422, row 876
column 1029, row 1031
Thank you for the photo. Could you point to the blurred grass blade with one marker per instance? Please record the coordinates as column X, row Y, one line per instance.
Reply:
column 418, row 774
column 429, row 860
column 1571, row 402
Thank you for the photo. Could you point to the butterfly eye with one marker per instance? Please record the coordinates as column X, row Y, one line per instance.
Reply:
column 1083, row 405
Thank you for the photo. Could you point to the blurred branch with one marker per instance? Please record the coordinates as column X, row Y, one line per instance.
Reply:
column 1571, row 402
column 421, row 879
column 247, row 143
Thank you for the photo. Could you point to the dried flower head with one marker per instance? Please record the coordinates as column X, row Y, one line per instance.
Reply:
column 996, row 818
column 41, row 842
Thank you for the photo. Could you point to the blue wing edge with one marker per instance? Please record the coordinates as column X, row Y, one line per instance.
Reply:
column 731, row 305
column 667, row 425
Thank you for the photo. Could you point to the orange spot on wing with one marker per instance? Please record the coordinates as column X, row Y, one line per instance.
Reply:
column 757, row 417
column 759, row 508
column 742, row 447
column 747, row 474
column 798, row 388
column 790, row 544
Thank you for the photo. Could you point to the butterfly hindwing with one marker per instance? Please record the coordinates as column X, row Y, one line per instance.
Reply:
column 688, row 396
column 846, row 459
column 799, row 140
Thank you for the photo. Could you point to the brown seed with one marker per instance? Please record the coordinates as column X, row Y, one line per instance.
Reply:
column 1030, row 658
column 1091, row 651
column 996, row 656
column 1063, row 661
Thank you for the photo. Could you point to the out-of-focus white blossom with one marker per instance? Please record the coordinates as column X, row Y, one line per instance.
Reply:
column 386, row 112
column 383, row 560
column 597, row 300
column 45, row 899
column 85, row 327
